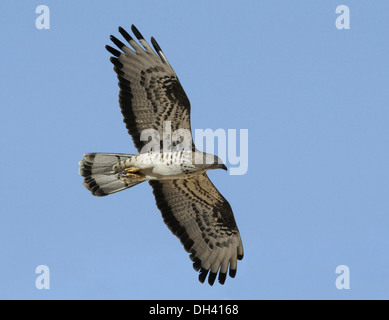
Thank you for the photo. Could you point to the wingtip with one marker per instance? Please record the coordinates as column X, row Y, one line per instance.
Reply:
column 136, row 32
column 222, row 277
column 116, row 62
column 197, row 264
column 155, row 44
column 117, row 42
column 203, row 274
column 211, row 278
column 125, row 34
column 113, row 51
column 240, row 252
column 121, row 30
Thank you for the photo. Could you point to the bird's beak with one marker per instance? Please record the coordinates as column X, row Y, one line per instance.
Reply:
column 217, row 166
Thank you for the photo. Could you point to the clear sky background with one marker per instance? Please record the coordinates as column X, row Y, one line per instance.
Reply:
column 313, row 98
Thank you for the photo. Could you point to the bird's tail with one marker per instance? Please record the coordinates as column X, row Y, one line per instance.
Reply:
column 102, row 178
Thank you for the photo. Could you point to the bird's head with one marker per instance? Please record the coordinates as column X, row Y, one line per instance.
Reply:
column 209, row 161
column 218, row 166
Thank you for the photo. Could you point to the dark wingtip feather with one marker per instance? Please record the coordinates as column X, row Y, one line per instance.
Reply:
column 117, row 42
column 222, row 277
column 232, row 273
column 155, row 45
column 113, row 51
column 125, row 34
column 240, row 256
column 211, row 278
column 136, row 32
column 203, row 274
column 116, row 62
column 197, row 264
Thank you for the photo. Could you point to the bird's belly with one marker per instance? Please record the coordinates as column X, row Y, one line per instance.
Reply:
column 165, row 171
column 162, row 166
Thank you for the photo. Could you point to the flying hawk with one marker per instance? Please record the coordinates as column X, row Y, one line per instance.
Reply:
column 151, row 96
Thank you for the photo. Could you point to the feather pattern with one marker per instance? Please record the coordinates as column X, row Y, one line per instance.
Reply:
column 202, row 219
column 150, row 92
column 193, row 209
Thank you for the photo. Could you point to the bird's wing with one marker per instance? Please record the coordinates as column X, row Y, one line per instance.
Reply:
column 150, row 92
column 202, row 219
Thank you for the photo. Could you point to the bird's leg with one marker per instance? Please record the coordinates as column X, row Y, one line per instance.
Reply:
column 133, row 172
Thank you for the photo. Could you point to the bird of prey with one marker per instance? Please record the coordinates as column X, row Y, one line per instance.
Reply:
column 193, row 209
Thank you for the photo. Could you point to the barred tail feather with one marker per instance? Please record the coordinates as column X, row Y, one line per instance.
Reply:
column 101, row 178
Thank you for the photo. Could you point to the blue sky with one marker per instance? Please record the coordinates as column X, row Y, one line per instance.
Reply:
column 313, row 98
